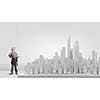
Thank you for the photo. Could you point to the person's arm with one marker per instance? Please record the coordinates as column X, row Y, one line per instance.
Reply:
column 16, row 55
column 9, row 55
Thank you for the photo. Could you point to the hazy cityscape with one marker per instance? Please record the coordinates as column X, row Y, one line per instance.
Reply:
column 55, row 49
column 70, row 61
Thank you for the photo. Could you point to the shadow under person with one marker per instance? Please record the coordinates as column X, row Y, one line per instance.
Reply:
column 14, row 61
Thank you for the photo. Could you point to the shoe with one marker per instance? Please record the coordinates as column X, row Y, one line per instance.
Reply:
column 10, row 73
column 16, row 73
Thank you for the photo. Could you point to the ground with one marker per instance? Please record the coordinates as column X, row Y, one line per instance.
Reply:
column 5, row 74
column 59, row 76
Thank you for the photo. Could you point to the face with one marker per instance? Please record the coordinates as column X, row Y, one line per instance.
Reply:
column 13, row 49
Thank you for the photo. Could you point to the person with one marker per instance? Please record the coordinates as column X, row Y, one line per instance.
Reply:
column 14, row 61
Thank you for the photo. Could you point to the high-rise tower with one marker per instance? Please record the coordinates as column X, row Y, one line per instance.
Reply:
column 69, row 47
column 63, row 55
column 76, row 57
column 94, row 56
column 63, row 52
column 71, row 53
column 76, row 50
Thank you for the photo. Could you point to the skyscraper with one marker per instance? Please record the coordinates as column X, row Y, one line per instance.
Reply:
column 63, row 56
column 71, row 53
column 63, row 53
column 68, row 47
column 56, row 56
column 76, row 57
column 94, row 56
column 76, row 50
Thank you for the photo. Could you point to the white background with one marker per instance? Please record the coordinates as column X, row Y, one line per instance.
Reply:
column 49, row 11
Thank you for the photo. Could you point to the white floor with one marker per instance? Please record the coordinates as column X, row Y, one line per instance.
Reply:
column 5, row 74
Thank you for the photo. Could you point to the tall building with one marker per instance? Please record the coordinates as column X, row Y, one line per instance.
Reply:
column 94, row 56
column 63, row 56
column 76, row 57
column 63, row 53
column 98, row 68
column 41, row 64
column 56, row 64
column 94, row 62
column 71, row 53
column 56, row 56
column 68, row 47
column 76, row 50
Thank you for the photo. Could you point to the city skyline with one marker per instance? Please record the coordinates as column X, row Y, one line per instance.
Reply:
column 46, row 38
column 73, row 63
column 73, row 52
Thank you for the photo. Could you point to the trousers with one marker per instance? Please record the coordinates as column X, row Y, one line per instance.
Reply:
column 14, row 66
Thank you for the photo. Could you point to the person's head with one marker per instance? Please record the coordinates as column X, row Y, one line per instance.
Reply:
column 13, row 49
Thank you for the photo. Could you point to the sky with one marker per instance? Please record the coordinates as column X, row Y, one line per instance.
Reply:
column 45, row 38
